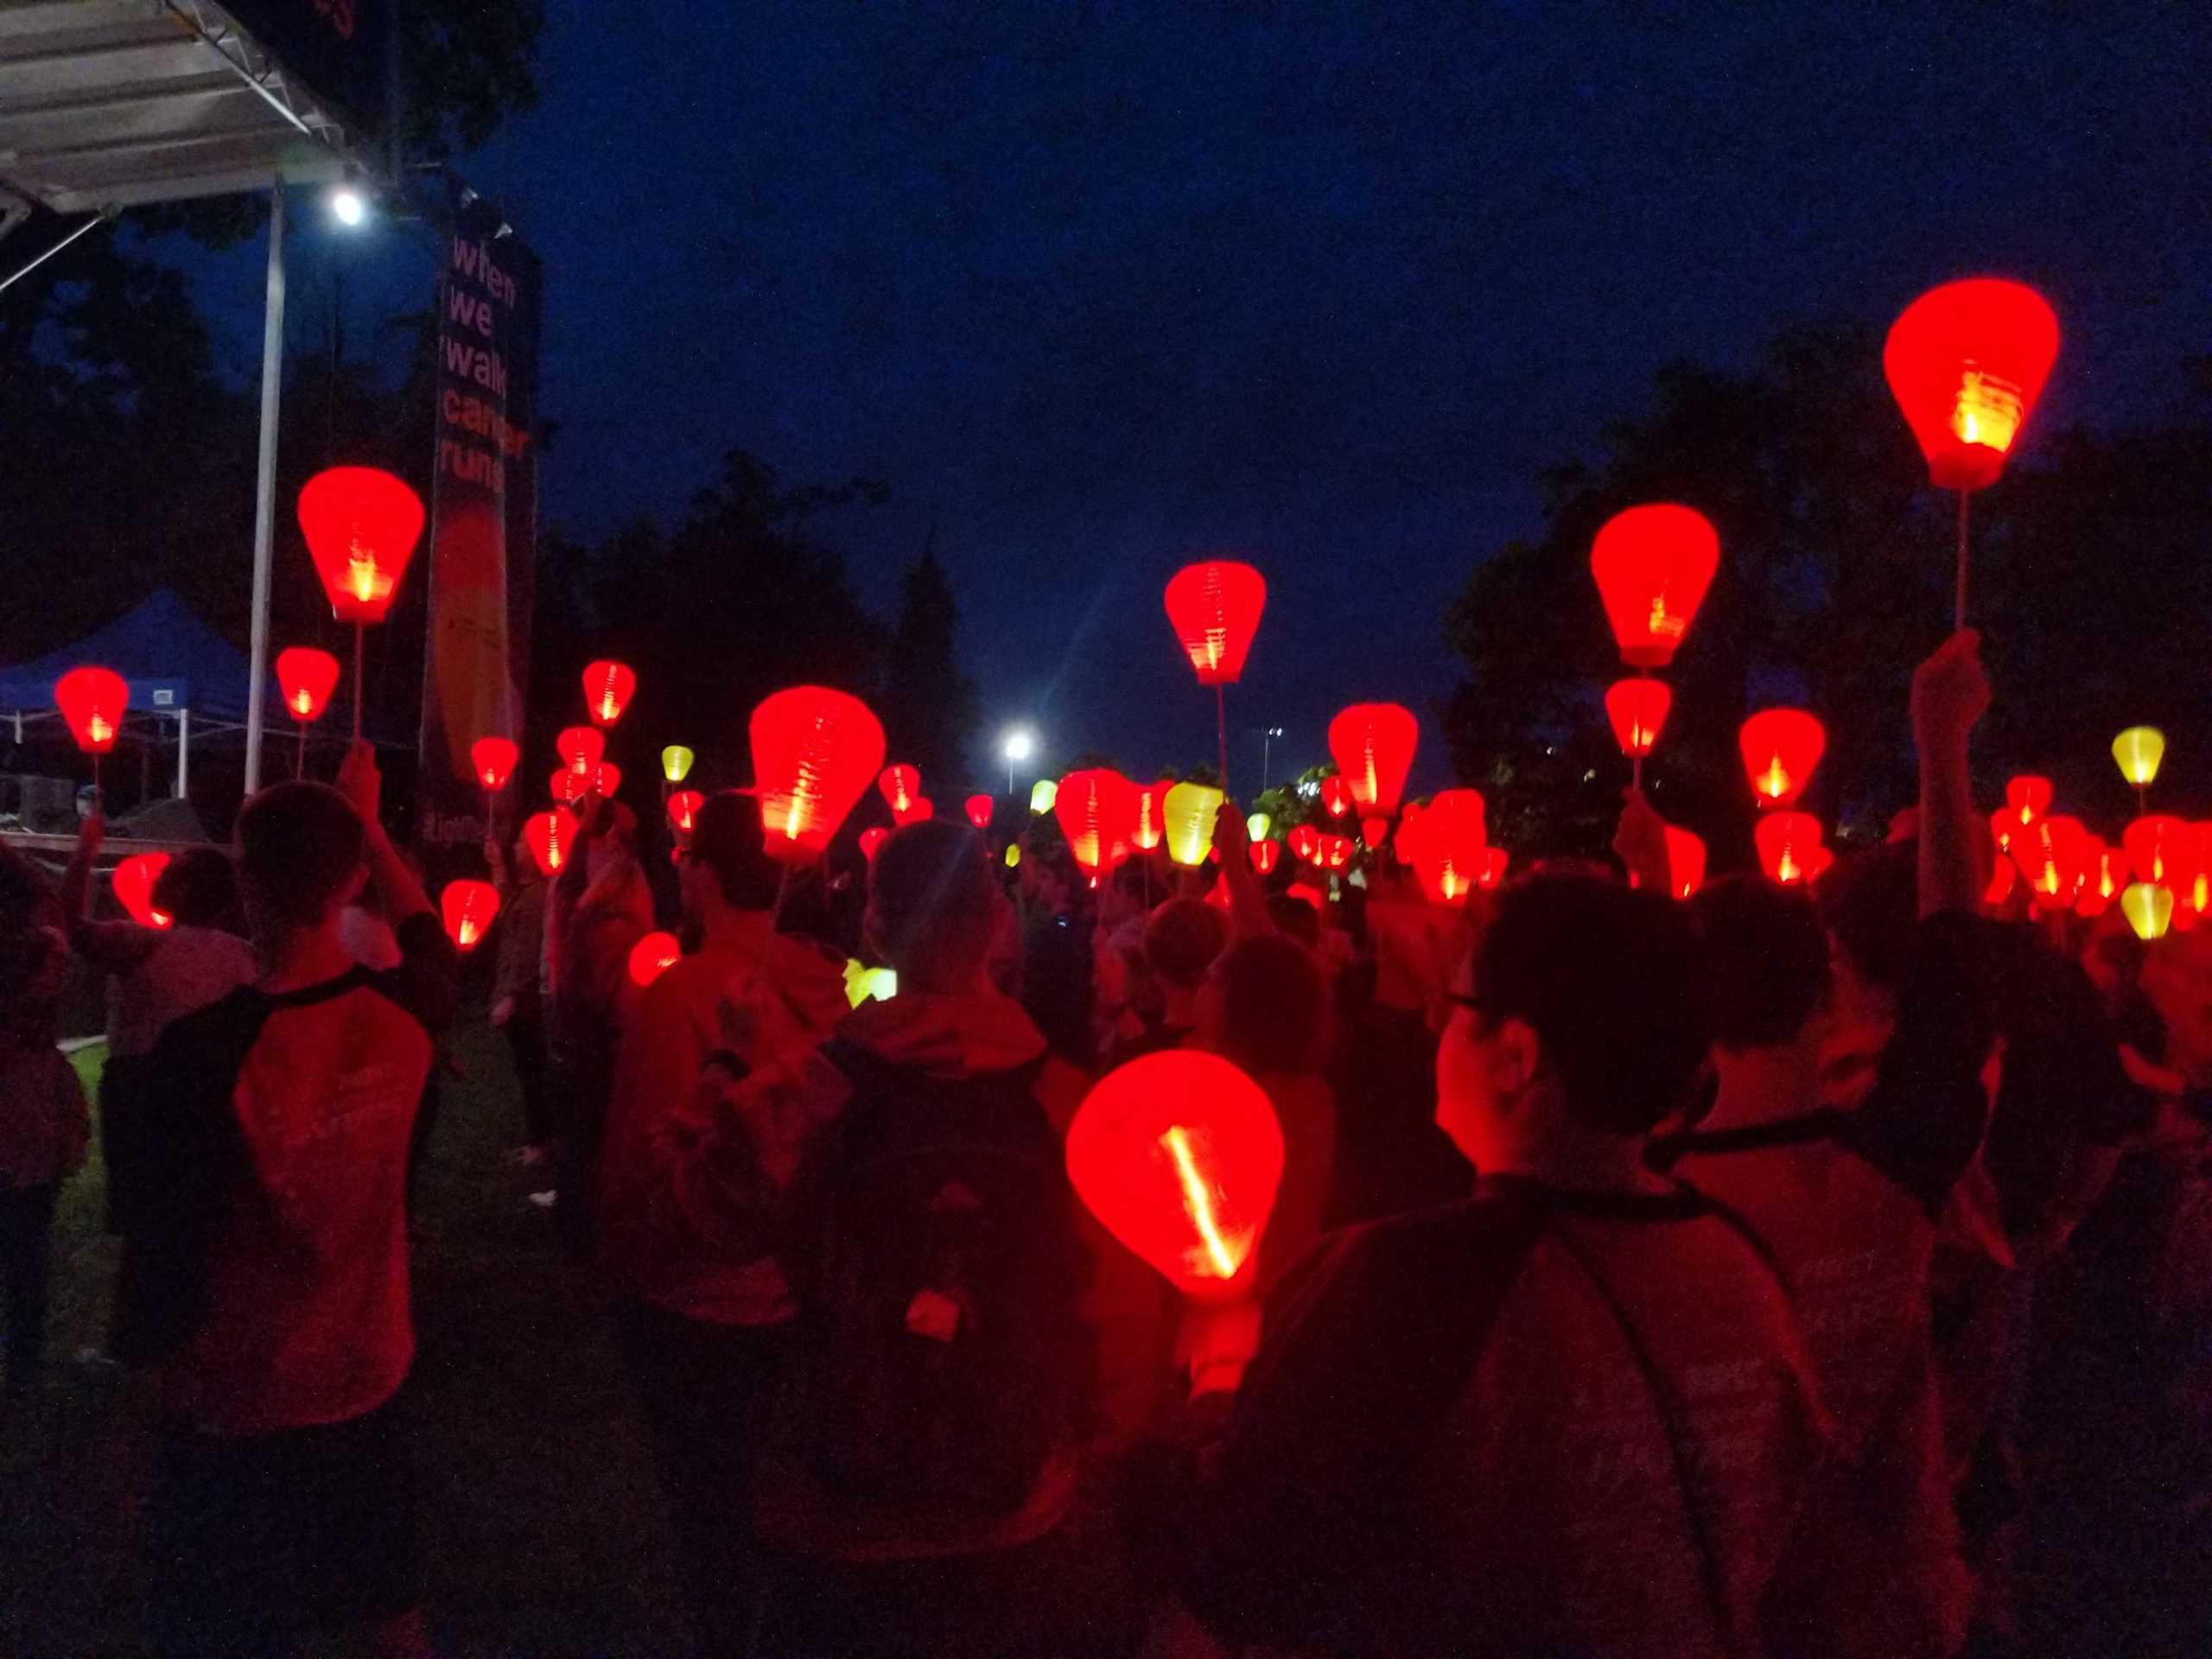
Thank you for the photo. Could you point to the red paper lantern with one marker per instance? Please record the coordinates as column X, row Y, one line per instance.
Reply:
column 1373, row 745
column 872, row 840
column 1178, row 1155
column 548, row 837
column 1685, row 862
column 133, row 881
column 2027, row 797
column 901, row 786
column 1653, row 565
column 307, row 677
column 1098, row 811
column 1152, row 817
column 469, row 906
column 1493, row 876
column 683, row 807
column 92, row 700
column 1306, row 894
column 362, row 526
column 921, row 812
column 581, row 748
column 2193, row 897
column 608, row 688
column 1338, row 852
column 1966, row 363
column 814, row 751
column 1336, row 796
column 1215, row 608
column 1637, row 709
column 979, row 809
column 653, row 955
column 494, row 759
column 1787, row 842
column 1265, row 855
column 606, row 780
column 1448, row 846
column 569, row 787
column 2159, row 849
column 2003, row 872
column 2051, row 854
column 1306, row 841
column 1780, row 746
column 2104, row 879
column 1373, row 832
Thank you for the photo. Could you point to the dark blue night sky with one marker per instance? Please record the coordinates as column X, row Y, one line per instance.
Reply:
column 1096, row 285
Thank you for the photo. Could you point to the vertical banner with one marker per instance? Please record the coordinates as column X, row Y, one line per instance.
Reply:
column 483, row 517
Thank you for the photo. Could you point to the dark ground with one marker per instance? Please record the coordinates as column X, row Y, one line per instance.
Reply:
column 543, row 1524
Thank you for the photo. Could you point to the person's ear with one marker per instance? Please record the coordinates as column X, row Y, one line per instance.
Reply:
column 1515, row 1056
column 354, row 883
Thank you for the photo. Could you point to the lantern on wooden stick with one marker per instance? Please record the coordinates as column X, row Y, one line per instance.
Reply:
column 1967, row 362
column 1178, row 1155
column 1653, row 565
column 2159, row 848
column 1188, row 816
column 468, row 906
column 1373, row 746
column 1448, row 846
column 1780, row 747
column 872, row 840
column 606, row 780
column 1304, row 840
column 1685, row 862
column 361, row 525
column 549, row 835
column 1042, row 795
column 901, row 787
column 1151, row 823
column 814, row 751
column 2139, row 750
column 2105, row 876
column 133, row 881
column 306, row 676
column 2027, row 797
column 493, row 759
column 1374, row 831
column 2050, row 854
column 93, row 701
column 1787, row 844
column 1637, row 709
column 608, row 688
column 1215, row 608
column 980, row 809
column 1336, row 796
column 2003, row 874
column 653, row 955
column 1265, row 855
column 676, row 762
column 2149, row 909
column 581, row 748
column 683, row 806
column 1096, row 808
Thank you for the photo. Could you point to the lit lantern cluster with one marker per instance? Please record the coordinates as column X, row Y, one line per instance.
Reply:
column 1781, row 747
column 2160, row 875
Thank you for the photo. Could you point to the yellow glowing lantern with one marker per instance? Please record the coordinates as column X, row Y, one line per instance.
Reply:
column 1012, row 855
column 1189, row 815
column 2149, row 909
column 676, row 763
column 1044, row 796
column 1257, row 825
column 2139, row 750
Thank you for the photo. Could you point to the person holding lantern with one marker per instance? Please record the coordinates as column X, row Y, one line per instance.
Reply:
column 1495, row 1427
column 705, row 1311
column 518, row 984
column 279, row 1317
column 43, row 1126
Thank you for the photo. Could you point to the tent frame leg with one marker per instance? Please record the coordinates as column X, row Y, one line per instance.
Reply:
column 264, row 506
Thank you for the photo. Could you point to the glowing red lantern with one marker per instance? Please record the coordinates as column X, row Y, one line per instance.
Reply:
column 1493, row 875
column 653, row 955
column 921, row 811
column 2104, row 879
column 1265, row 855
column 1637, row 709
column 872, row 840
column 1097, row 810
column 1306, row 841
column 1780, row 746
column 2003, row 874
column 1306, row 894
column 1338, row 852
column 549, row 835
column 814, row 751
column 1373, row 832
column 1966, row 363
column 1215, row 608
column 1373, row 745
column 494, row 759
column 1685, row 862
column 1652, row 564
column 133, row 881
column 307, row 677
column 606, row 779
column 1448, row 846
column 608, row 688
column 362, row 526
column 1787, row 842
column 901, row 786
column 1336, row 796
column 92, row 700
column 469, row 906
column 1151, row 827
column 2159, row 849
column 683, row 807
column 581, row 748
column 2051, row 853
column 569, row 787
column 1178, row 1155
column 979, row 809
column 2027, row 797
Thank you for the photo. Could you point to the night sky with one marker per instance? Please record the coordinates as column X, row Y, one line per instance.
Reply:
column 1095, row 286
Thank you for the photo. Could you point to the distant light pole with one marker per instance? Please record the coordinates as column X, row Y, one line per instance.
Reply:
column 1266, row 745
column 1019, row 745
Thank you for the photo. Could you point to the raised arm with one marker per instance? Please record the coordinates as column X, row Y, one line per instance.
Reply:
column 1248, row 906
column 1950, row 694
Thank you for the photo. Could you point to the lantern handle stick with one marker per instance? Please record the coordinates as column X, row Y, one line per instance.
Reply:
column 300, row 762
column 357, row 630
column 1220, row 717
column 1959, row 593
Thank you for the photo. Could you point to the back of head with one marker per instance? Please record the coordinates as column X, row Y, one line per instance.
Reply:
column 727, row 839
column 1869, row 902
column 1181, row 941
column 1606, row 977
column 1275, row 1006
column 1296, row 917
column 933, row 901
column 300, row 845
column 199, row 889
column 1766, row 959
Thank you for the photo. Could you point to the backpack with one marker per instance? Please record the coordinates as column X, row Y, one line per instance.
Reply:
column 942, row 1353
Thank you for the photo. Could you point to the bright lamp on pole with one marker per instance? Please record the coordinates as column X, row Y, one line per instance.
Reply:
column 348, row 205
column 1020, row 744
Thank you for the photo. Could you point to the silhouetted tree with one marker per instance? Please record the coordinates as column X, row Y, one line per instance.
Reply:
column 930, row 710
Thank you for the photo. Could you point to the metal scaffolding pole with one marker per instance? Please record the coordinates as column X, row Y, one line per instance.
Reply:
column 264, row 506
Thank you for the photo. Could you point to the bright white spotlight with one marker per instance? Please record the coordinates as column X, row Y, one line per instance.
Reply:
column 1019, row 746
column 347, row 206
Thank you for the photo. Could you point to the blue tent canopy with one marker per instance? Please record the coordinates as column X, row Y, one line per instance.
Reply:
column 170, row 658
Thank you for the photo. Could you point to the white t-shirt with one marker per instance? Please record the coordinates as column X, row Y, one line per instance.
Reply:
column 190, row 968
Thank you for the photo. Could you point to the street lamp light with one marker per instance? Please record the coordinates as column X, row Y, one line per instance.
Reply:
column 348, row 205
column 1020, row 743
column 1267, row 747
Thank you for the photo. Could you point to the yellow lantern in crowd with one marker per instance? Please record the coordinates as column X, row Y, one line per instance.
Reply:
column 2139, row 750
column 1188, row 812
column 2149, row 908
column 1044, row 796
column 1256, row 826
column 676, row 763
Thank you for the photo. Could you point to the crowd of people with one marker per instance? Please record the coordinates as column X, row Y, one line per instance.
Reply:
column 1755, row 1275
